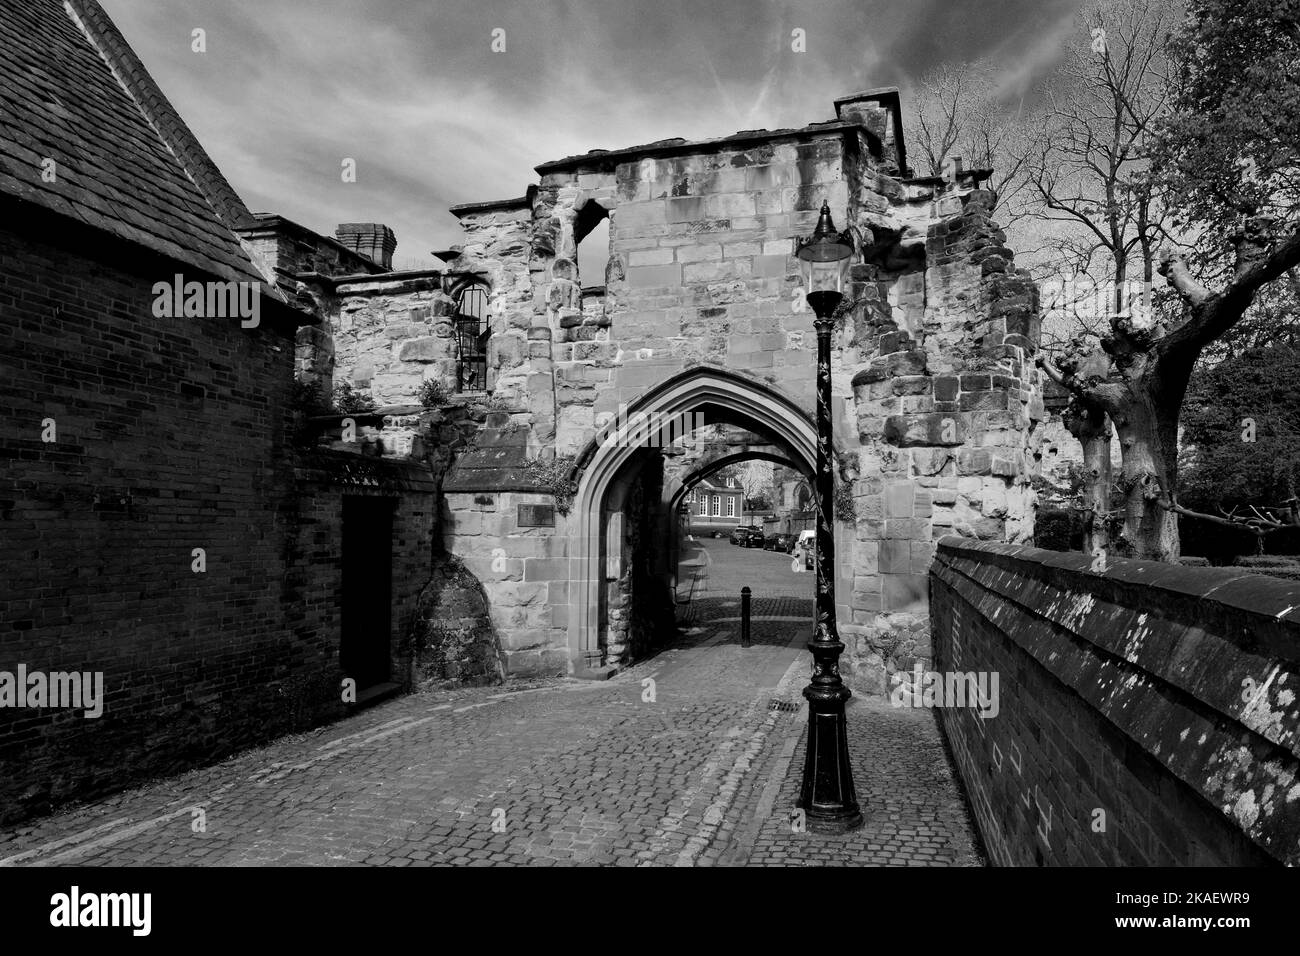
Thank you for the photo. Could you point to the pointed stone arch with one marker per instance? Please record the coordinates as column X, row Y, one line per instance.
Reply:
column 604, row 472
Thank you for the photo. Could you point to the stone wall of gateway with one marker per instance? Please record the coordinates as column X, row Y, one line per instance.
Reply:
column 936, row 402
column 1146, row 715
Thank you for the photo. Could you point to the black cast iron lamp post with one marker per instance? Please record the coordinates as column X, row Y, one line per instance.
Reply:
column 828, row 799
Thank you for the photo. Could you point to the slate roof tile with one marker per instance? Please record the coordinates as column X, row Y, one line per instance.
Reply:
column 60, row 99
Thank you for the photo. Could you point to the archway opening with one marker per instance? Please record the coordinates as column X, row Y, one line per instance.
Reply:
column 639, row 551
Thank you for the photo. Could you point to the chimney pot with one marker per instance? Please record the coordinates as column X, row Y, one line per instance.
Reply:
column 371, row 239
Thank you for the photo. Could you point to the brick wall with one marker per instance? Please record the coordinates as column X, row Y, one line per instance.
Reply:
column 172, row 434
column 1146, row 715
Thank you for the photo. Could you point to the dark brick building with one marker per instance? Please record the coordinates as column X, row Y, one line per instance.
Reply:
column 157, row 524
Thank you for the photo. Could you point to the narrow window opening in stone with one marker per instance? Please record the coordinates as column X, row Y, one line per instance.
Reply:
column 593, row 256
column 473, row 329
column 591, row 233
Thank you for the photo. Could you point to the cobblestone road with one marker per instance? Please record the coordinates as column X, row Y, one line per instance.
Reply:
column 702, row 771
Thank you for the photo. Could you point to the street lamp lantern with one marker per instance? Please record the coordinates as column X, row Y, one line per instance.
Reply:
column 827, row 796
column 824, row 259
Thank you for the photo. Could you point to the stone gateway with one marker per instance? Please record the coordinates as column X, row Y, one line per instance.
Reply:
column 700, row 316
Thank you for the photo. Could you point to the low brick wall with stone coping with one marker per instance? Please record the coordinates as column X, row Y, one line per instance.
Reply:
column 1146, row 714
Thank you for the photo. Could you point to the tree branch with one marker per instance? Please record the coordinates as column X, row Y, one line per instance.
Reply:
column 1174, row 268
column 1059, row 378
column 1229, row 522
column 1213, row 314
column 1259, row 525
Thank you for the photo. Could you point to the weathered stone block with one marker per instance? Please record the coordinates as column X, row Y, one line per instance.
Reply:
column 929, row 462
column 906, row 363
column 989, row 400
column 895, row 556
column 899, row 500
column 974, row 461
column 729, row 205
column 422, row 350
column 772, row 266
column 924, row 429
column 876, row 372
column 946, row 388
column 912, row 385
column 922, row 556
column 650, row 257
column 710, row 252
column 905, row 592
column 642, row 277
column 910, row 528
column 716, row 271
column 1006, row 467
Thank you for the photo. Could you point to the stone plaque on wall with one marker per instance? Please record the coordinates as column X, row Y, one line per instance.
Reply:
column 537, row 516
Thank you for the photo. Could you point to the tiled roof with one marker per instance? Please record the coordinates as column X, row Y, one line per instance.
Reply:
column 126, row 162
column 705, row 483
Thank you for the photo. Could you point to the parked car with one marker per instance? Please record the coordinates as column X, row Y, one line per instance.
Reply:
column 740, row 535
column 779, row 542
column 807, row 545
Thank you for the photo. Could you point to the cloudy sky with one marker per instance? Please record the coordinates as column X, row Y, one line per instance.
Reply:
column 412, row 90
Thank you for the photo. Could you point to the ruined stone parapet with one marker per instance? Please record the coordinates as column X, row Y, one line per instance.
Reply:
column 945, row 404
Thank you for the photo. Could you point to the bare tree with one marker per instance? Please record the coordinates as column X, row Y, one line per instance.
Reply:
column 958, row 113
column 755, row 478
column 1090, row 168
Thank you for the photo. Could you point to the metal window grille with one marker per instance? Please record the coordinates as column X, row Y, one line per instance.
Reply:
column 473, row 328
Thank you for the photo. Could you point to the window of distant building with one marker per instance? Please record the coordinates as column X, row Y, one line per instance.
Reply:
column 731, row 506
column 717, row 506
column 704, row 504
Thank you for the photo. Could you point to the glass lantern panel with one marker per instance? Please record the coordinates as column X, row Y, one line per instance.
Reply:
column 824, row 276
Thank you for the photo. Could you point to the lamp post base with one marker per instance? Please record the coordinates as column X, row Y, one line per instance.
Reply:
column 828, row 798
column 834, row 825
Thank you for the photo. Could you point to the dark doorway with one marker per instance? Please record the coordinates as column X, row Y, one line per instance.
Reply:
column 367, row 599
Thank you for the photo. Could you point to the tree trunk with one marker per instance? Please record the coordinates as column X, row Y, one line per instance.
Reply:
column 1148, row 441
column 1090, row 427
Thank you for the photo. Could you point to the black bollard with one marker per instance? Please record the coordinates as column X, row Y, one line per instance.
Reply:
column 744, row 617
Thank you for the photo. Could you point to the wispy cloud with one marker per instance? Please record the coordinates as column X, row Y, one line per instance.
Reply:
column 414, row 93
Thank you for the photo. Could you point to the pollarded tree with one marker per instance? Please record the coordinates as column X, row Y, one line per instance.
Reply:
column 1229, row 151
